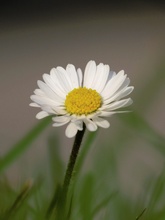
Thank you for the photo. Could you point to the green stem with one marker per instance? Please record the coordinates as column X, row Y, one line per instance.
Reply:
column 72, row 161
column 60, row 196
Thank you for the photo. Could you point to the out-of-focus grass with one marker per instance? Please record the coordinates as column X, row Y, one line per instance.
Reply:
column 23, row 144
column 94, row 194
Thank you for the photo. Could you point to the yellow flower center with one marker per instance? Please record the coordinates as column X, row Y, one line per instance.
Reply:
column 82, row 101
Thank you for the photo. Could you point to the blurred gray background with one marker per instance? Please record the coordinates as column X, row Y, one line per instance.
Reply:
column 40, row 35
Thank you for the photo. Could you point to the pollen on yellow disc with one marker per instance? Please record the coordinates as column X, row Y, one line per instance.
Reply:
column 82, row 101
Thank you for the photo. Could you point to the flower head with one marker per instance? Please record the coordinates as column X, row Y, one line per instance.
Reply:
column 74, row 98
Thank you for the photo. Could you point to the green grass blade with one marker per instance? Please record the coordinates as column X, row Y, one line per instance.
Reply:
column 53, row 204
column 139, row 216
column 103, row 204
column 23, row 144
column 56, row 164
column 18, row 202
column 87, row 196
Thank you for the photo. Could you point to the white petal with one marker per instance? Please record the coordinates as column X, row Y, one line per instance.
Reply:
column 89, row 74
column 34, row 104
column 122, row 87
column 53, row 110
column 41, row 115
column 71, row 130
column 58, row 124
column 125, row 83
column 64, row 79
column 60, row 120
column 91, row 126
column 101, row 122
column 93, row 115
column 117, row 104
column 107, row 114
column 78, row 117
column 125, row 92
column 39, row 92
column 42, row 100
column 59, row 80
column 73, row 75
column 49, row 92
column 79, row 124
column 111, row 75
column 79, row 72
column 59, row 110
column 113, row 85
column 119, row 95
column 101, row 77
column 53, row 82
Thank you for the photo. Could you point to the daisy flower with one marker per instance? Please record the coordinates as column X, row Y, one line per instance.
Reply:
column 76, row 98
